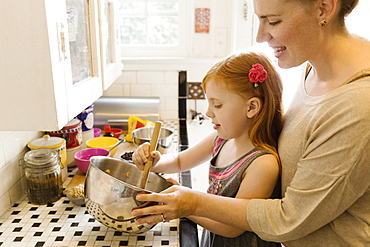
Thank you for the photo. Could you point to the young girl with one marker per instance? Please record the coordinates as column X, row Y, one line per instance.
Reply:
column 244, row 94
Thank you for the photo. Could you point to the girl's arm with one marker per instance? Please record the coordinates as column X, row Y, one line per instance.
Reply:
column 176, row 162
column 259, row 182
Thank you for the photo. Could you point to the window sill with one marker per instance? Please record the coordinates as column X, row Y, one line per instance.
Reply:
column 167, row 63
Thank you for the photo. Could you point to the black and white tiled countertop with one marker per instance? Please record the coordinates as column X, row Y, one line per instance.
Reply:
column 62, row 223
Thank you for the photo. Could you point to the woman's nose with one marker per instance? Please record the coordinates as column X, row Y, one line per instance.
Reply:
column 262, row 34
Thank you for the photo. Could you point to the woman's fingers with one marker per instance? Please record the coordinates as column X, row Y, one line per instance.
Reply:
column 175, row 202
column 172, row 181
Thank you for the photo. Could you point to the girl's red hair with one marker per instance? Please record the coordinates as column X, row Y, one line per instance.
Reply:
column 232, row 72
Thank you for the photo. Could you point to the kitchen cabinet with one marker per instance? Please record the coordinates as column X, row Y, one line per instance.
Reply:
column 51, row 64
column 110, row 42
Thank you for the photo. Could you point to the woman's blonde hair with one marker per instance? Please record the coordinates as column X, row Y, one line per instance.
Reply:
column 232, row 73
column 345, row 7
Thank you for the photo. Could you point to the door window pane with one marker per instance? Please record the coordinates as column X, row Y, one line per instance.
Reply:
column 78, row 30
column 107, row 30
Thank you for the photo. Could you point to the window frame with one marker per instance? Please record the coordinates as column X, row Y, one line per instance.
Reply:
column 181, row 50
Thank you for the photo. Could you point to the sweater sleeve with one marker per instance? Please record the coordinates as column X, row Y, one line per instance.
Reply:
column 332, row 173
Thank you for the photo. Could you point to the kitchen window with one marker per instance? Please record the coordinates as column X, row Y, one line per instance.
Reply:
column 152, row 28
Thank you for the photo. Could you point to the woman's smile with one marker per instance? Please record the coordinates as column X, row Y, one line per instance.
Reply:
column 278, row 50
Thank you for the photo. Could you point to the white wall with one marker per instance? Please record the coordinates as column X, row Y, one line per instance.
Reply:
column 12, row 149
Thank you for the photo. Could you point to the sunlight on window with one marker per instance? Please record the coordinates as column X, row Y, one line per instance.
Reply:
column 150, row 23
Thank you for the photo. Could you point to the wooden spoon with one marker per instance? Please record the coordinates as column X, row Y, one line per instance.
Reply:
column 152, row 147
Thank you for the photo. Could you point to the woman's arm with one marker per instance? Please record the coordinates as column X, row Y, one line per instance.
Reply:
column 179, row 201
column 259, row 181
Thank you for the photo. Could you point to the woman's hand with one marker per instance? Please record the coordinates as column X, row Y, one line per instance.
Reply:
column 178, row 201
column 172, row 181
column 175, row 202
column 141, row 154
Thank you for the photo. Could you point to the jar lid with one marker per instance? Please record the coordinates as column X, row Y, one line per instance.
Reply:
column 47, row 142
column 41, row 156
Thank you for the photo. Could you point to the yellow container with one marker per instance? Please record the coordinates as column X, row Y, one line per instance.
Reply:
column 106, row 142
column 136, row 123
column 56, row 143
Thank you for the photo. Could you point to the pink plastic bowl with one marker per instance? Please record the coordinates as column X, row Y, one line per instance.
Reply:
column 82, row 157
column 97, row 132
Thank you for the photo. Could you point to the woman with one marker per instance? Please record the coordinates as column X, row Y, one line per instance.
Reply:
column 324, row 143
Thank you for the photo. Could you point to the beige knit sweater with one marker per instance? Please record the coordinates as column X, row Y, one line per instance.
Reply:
column 325, row 153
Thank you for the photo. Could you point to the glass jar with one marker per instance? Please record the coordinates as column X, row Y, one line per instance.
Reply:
column 56, row 143
column 43, row 176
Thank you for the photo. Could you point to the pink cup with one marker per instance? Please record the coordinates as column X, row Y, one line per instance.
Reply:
column 97, row 132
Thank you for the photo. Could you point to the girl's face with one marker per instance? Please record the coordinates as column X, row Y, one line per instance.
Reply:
column 227, row 110
column 290, row 28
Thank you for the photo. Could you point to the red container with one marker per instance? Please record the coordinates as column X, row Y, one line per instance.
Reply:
column 114, row 132
column 72, row 133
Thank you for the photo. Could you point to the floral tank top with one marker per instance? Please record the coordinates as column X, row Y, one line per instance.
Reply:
column 225, row 181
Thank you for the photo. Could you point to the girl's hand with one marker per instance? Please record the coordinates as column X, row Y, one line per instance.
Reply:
column 175, row 202
column 141, row 154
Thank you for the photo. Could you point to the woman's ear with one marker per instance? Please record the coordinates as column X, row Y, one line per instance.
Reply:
column 327, row 10
column 254, row 106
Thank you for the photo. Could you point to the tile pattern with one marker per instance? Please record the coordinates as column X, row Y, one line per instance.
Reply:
column 65, row 224
column 62, row 223
column 173, row 125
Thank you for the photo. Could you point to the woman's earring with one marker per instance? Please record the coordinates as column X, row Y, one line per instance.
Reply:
column 323, row 23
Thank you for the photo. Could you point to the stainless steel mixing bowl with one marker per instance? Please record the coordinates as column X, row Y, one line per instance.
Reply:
column 144, row 134
column 111, row 187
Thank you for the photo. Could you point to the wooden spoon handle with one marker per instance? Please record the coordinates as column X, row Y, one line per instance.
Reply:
column 152, row 147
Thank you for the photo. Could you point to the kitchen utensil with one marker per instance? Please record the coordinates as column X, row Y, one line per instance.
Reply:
column 70, row 155
column 152, row 147
column 76, row 195
column 107, row 131
column 144, row 134
column 127, row 156
column 97, row 132
column 115, row 132
column 106, row 142
column 123, row 140
column 82, row 157
column 111, row 187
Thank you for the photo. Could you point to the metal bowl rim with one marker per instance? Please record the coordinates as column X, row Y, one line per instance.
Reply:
column 117, row 180
column 151, row 127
